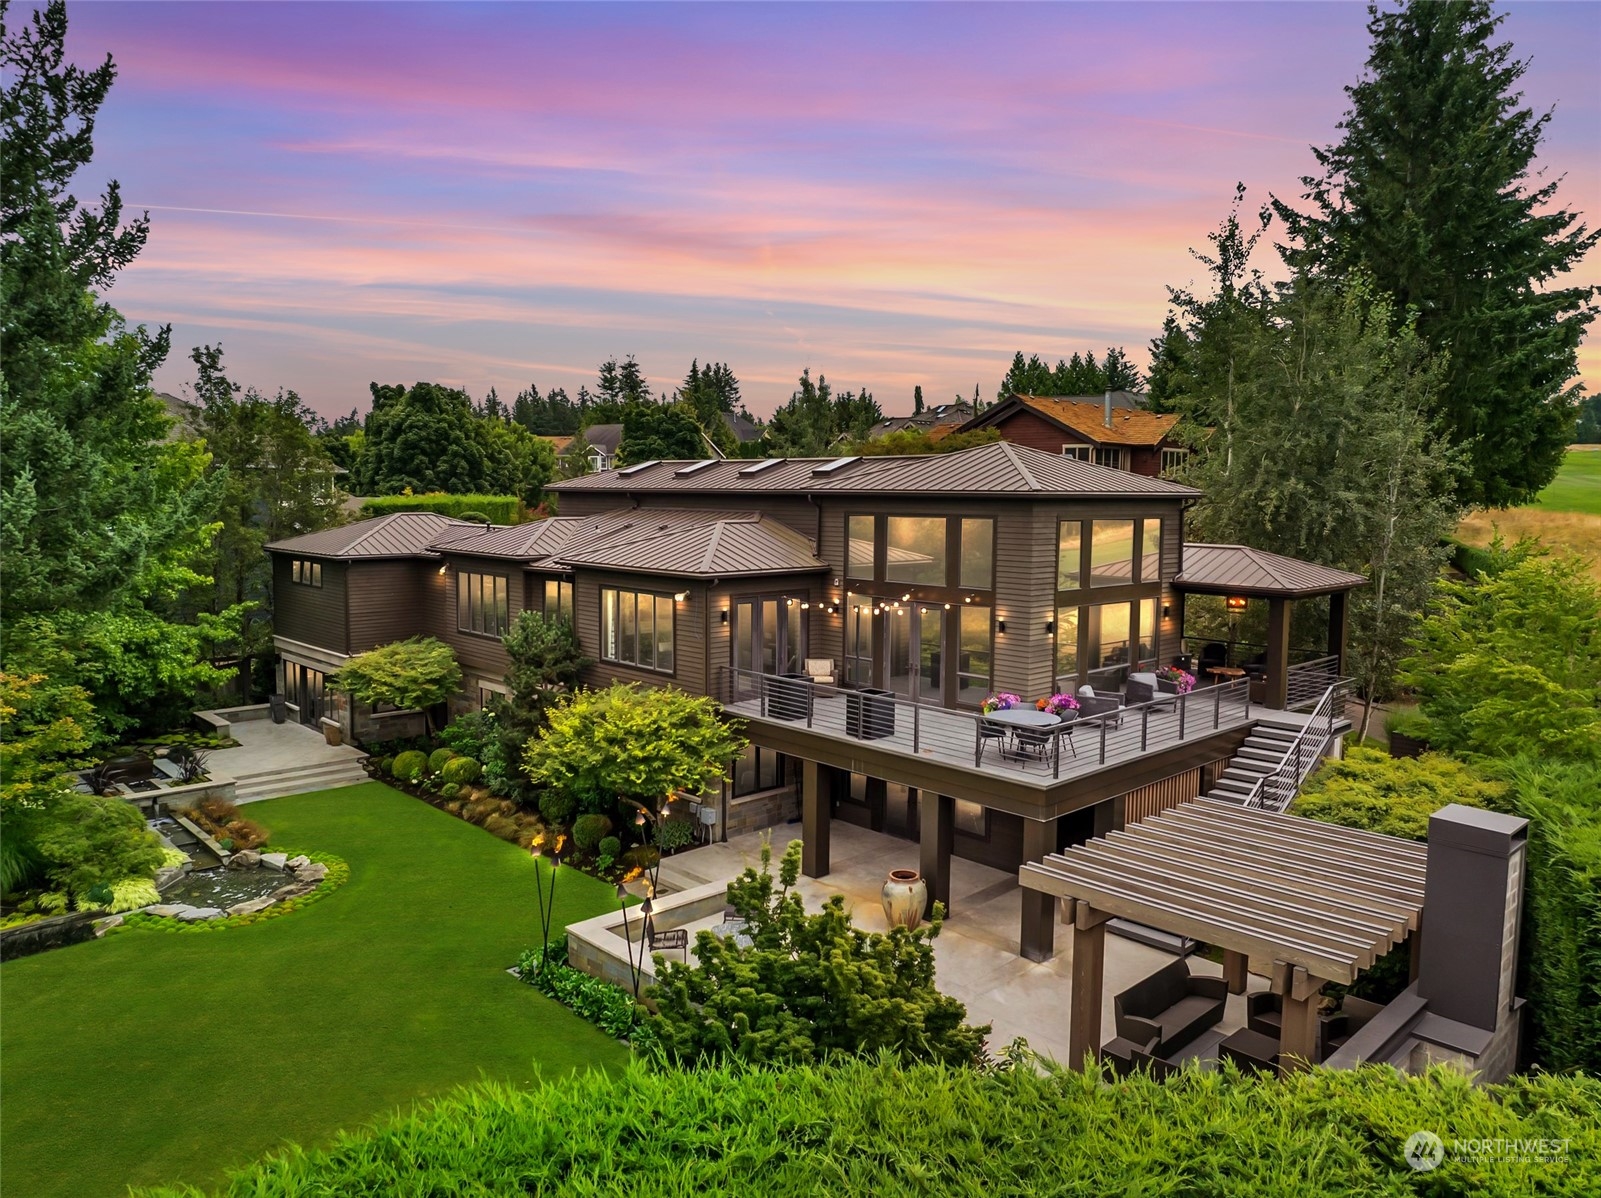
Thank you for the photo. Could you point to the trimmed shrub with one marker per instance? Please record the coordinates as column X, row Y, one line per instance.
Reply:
column 386, row 766
column 610, row 846
column 462, row 770
column 438, row 759
column 497, row 509
column 557, row 806
column 641, row 857
column 411, row 765
column 589, row 831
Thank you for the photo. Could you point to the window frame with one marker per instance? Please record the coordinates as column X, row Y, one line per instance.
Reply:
column 1076, row 450
column 1173, row 457
column 305, row 572
column 476, row 621
column 564, row 598
column 612, row 623
column 1109, row 456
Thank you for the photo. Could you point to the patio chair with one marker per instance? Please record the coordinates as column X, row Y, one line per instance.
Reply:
column 1034, row 742
column 1119, row 1054
column 820, row 670
column 671, row 940
column 1092, row 702
column 1146, row 688
column 1172, row 1004
column 1264, row 1014
column 1213, row 653
column 989, row 731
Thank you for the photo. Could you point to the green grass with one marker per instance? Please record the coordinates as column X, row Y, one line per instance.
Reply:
column 152, row 1057
column 1577, row 486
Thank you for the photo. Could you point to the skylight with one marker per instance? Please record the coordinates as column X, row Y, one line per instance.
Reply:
column 833, row 467
column 636, row 469
column 758, row 467
column 698, row 466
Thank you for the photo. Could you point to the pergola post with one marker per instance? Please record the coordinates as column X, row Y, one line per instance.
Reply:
column 817, row 798
column 937, row 826
column 1089, row 969
column 1278, row 653
column 1300, row 1045
column 1338, row 629
column 1235, row 970
column 1037, row 941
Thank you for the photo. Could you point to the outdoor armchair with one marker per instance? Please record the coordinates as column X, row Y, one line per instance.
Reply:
column 1172, row 1004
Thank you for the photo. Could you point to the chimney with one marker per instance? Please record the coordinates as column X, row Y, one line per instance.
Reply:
column 1109, row 408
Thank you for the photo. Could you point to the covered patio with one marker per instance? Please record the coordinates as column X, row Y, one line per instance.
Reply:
column 1239, row 574
column 1312, row 902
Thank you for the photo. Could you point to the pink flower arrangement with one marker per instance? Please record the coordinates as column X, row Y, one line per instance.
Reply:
column 1003, row 701
column 1057, row 704
column 1181, row 679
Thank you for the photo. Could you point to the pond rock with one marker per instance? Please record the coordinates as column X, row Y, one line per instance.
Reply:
column 251, row 906
column 196, row 914
column 102, row 926
column 316, row 871
column 244, row 859
column 275, row 861
column 167, row 910
column 299, row 862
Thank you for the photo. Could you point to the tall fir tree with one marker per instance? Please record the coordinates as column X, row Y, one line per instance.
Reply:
column 1429, row 191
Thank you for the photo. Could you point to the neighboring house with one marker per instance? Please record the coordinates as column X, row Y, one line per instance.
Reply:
column 917, row 585
column 603, row 440
column 742, row 427
column 938, row 416
column 1110, row 430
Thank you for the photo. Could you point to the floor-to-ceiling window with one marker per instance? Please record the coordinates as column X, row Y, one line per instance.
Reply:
column 769, row 635
column 1108, row 577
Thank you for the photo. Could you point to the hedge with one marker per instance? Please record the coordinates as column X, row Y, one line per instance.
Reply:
column 872, row 1127
column 499, row 509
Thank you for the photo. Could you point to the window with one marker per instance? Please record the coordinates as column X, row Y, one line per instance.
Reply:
column 859, row 625
column 1173, row 459
column 1150, row 550
column 975, row 655
column 859, row 547
column 1109, row 627
column 488, row 692
column 1148, row 634
column 971, row 818
column 559, row 599
column 481, row 604
column 307, row 574
column 1111, row 552
column 756, row 770
column 1112, row 457
column 1067, row 649
column 1069, row 555
column 916, row 550
column 1081, row 452
column 978, row 555
column 637, row 629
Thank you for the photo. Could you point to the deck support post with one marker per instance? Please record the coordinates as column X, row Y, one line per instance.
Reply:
column 1089, row 968
column 937, row 820
column 1234, row 970
column 877, row 801
column 1278, row 653
column 1037, row 938
column 817, row 801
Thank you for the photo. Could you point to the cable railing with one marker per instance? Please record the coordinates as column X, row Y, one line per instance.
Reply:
column 890, row 721
column 1308, row 680
column 1277, row 790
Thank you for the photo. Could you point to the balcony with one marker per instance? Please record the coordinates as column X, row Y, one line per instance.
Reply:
column 798, row 715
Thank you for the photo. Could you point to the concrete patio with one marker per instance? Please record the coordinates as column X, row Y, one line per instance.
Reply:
column 977, row 950
column 280, row 759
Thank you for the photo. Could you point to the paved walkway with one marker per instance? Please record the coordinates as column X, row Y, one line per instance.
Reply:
column 279, row 759
column 976, row 954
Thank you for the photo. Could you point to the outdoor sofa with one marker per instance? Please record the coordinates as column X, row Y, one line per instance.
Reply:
column 1173, row 1005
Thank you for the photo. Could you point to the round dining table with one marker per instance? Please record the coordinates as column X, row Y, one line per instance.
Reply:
column 1024, row 717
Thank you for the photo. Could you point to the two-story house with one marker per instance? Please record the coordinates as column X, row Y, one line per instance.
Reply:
column 1113, row 430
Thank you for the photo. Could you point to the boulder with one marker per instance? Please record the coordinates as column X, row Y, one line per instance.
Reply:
column 251, row 906
column 299, row 862
column 102, row 926
column 244, row 859
column 315, row 872
column 196, row 914
column 275, row 861
column 167, row 910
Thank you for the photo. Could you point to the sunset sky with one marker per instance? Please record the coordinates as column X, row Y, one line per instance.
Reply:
column 493, row 195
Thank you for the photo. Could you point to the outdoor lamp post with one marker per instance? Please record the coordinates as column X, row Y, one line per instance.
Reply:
column 547, row 901
column 636, row 960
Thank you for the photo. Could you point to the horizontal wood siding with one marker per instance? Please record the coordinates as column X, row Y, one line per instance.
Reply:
column 386, row 602
column 689, row 630
column 481, row 656
column 313, row 615
column 1025, row 597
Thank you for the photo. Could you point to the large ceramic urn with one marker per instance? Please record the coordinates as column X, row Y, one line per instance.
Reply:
column 905, row 897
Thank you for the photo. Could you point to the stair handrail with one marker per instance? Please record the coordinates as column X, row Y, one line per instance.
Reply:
column 1277, row 790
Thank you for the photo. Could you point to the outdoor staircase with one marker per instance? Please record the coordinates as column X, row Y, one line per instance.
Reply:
column 1262, row 754
column 274, row 784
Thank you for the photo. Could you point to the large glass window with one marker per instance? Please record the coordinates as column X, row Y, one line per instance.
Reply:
column 1148, row 634
column 978, row 555
column 1067, row 648
column 859, row 547
column 859, row 625
column 756, row 770
column 481, row 604
column 1069, row 555
column 1150, row 550
column 916, row 550
column 1109, row 640
column 974, row 658
column 1111, row 553
column 558, row 599
column 637, row 629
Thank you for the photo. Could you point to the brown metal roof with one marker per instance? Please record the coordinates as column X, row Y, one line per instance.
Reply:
column 999, row 469
column 1241, row 570
column 1329, row 899
column 402, row 534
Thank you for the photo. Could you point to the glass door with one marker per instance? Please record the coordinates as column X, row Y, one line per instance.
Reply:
column 915, row 666
column 769, row 637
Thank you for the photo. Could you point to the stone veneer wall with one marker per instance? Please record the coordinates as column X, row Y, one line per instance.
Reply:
column 596, row 946
column 752, row 813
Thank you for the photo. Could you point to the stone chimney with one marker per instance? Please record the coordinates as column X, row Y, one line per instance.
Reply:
column 1108, row 417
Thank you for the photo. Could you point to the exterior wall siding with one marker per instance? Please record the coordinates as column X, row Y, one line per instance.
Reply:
column 385, row 602
column 1025, row 427
column 689, row 631
column 313, row 615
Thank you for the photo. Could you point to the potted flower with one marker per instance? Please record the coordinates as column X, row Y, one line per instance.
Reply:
column 1178, row 681
column 1058, row 704
column 1003, row 701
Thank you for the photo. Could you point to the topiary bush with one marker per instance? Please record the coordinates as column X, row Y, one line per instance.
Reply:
column 438, row 759
column 462, row 770
column 411, row 765
column 557, row 806
column 589, row 831
column 609, row 847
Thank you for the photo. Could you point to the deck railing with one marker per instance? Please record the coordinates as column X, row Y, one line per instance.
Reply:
column 1308, row 680
column 1276, row 791
column 890, row 721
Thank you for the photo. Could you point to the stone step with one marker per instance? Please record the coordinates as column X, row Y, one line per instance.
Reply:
column 299, row 781
column 337, row 763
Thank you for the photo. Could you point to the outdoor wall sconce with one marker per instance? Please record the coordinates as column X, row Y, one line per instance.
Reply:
column 681, row 596
column 1050, row 625
column 1167, row 611
column 1000, row 627
column 789, row 603
column 722, row 616
column 1235, row 603
column 442, row 569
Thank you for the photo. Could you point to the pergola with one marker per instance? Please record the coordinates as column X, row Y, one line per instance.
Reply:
column 1320, row 902
column 1237, row 571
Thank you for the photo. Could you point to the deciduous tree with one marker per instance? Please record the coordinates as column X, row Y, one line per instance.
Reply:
column 420, row 672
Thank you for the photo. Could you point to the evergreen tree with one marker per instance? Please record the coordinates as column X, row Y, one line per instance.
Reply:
column 804, row 427
column 917, row 401
column 1428, row 192
column 660, row 432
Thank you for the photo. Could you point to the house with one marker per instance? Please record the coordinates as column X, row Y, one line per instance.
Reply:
column 603, row 440
column 938, row 416
column 1111, row 430
column 743, row 429
column 854, row 613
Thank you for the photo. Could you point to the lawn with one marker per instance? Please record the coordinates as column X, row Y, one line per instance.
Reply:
column 1567, row 513
column 152, row 1057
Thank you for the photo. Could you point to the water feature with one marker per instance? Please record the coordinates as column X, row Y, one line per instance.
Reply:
column 225, row 887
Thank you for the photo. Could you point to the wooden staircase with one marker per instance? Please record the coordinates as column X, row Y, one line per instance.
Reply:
column 1263, row 753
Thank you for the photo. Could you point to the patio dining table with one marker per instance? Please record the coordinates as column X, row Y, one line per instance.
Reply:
column 1028, row 726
